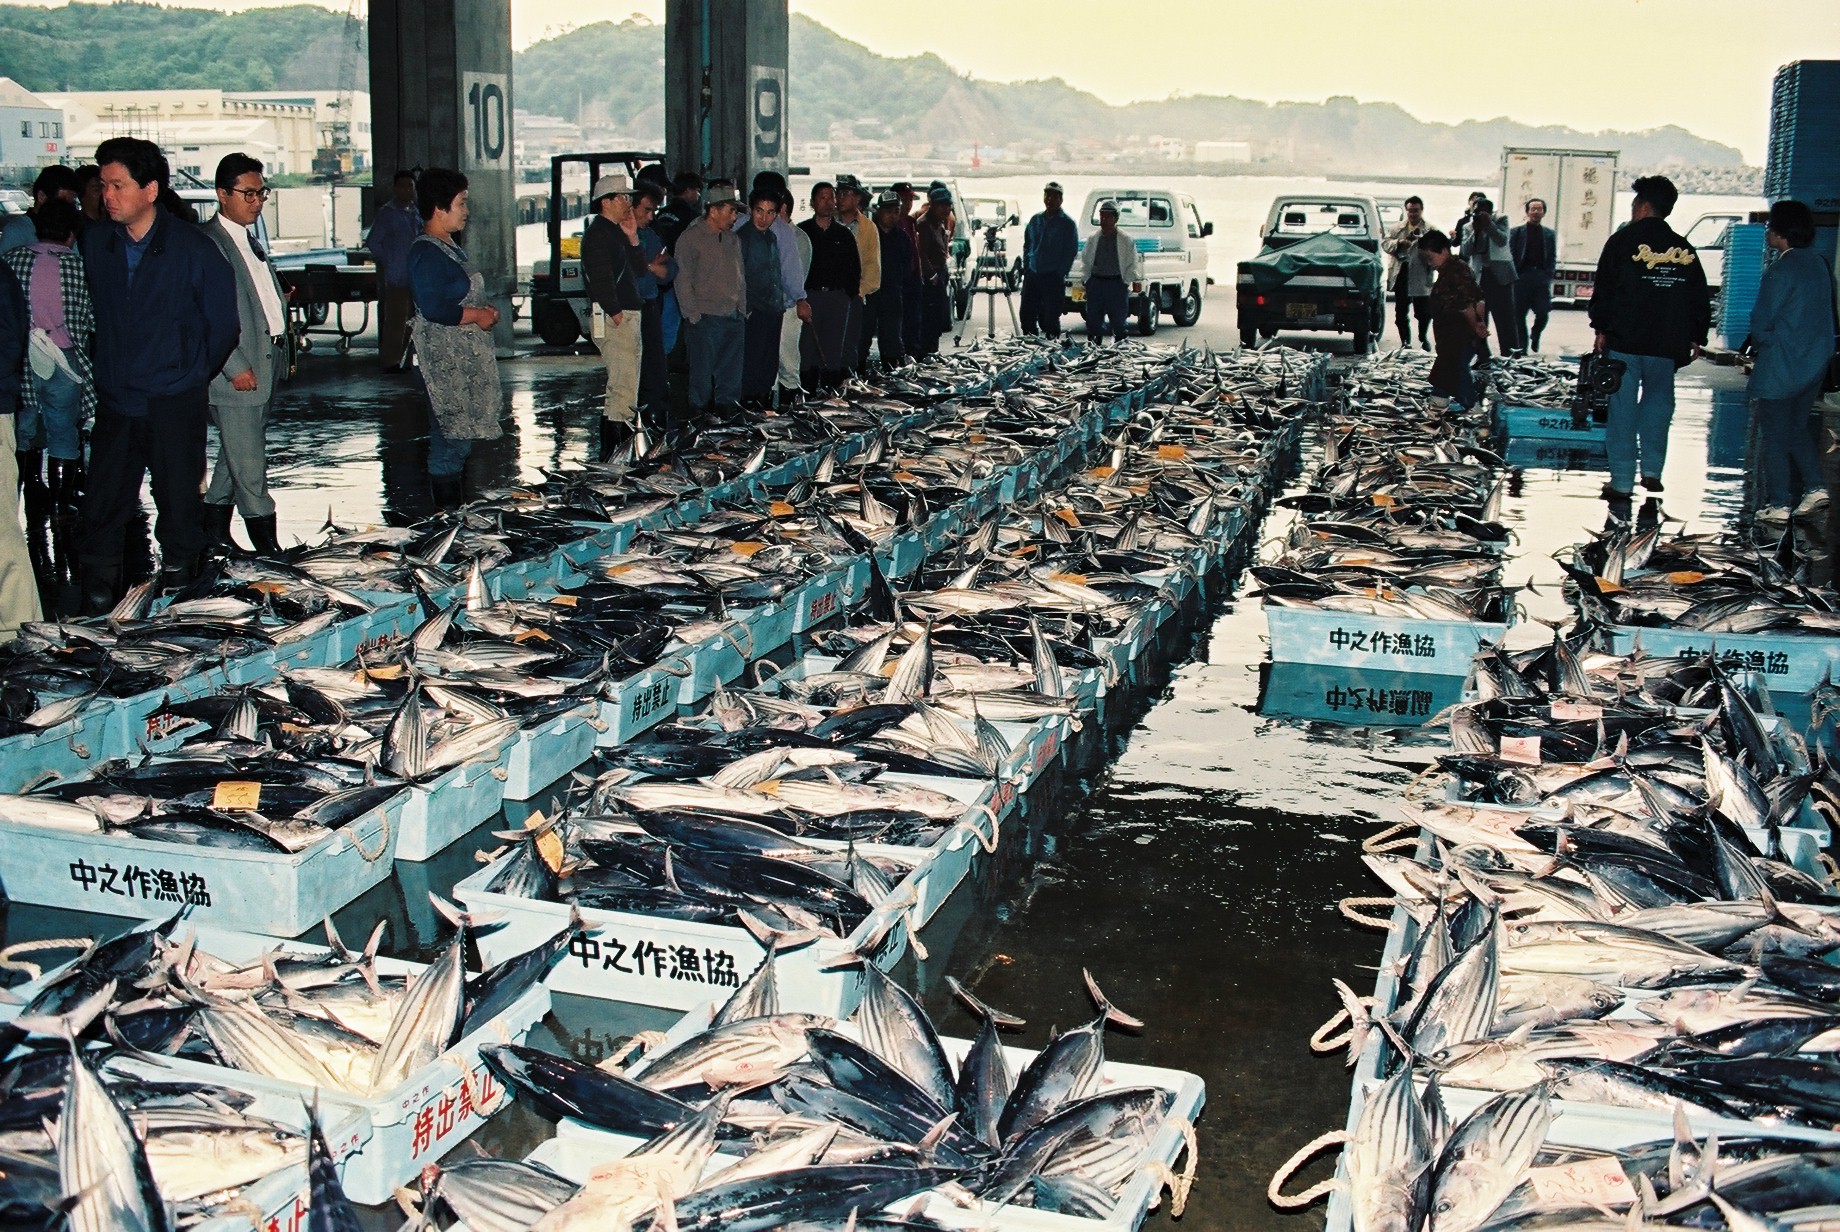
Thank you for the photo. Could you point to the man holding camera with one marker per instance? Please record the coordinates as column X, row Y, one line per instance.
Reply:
column 1651, row 312
column 1050, row 244
column 1485, row 244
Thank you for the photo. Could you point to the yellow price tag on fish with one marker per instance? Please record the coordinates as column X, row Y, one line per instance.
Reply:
column 978, row 438
column 1576, row 712
column 531, row 635
column 1686, row 577
column 617, row 570
column 746, row 547
column 236, row 796
column 1606, row 587
column 268, row 588
column 905, row 476
column 1521, row 750
column 1068, row 516
column 564, row 601
column 1383, row 501
column 780, row 509
column 1101, row 472
column 383, row 671
column 1171, row 453
column 1599, row 1183
column 1078, row 579
column 549, row 844
column 767, row 787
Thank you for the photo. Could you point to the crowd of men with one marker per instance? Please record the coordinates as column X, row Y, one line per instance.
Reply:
column 116, row 303
column 746, row 308
column 1513, row 268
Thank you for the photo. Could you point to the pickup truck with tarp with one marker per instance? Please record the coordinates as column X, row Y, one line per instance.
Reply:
column 1319, row 270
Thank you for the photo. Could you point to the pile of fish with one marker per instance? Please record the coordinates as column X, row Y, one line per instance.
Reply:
column 1401, row 516
column 1709, row 583
column 1628, row 982
column 53, row 670
column 1532, row 380
column 772, row 1119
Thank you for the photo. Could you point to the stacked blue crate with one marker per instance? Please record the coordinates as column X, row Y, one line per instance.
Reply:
column 1744, row 261
column 1804, row 116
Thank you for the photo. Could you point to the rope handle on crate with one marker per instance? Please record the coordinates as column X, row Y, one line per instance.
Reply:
column 1828, row 865
column 1397, row 837
column 1178, row 1184
column 642, row 1043
column 996, row 828
column 904, row 910
column 762, row 664
column 1411, row 793
column 1322, row 1041
column 1351, row 909
column 747, row 651
column 679, row 666
column 383, row 842
column 32, row 970
column 1315, row 1146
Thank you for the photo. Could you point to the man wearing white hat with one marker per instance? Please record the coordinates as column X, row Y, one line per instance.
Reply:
column 1109, row 263
column 608, row 258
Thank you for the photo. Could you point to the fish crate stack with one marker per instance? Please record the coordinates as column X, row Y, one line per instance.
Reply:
column 1394, row 561
column 1534, row 418
column 1692, row 596
column 1746, row 254
column 1610, row 940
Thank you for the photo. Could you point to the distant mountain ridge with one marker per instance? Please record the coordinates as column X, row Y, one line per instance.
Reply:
column 610, row 76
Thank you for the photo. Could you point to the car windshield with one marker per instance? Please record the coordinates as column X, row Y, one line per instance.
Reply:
column 1709, row 232
column 1138, row 210
column 1347, row 219
column 985, row 211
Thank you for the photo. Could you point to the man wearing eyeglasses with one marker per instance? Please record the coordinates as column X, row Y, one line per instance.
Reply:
column 241, row 393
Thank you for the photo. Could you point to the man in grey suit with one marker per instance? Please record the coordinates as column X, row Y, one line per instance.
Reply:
column 241, row 393
column 1536, row 258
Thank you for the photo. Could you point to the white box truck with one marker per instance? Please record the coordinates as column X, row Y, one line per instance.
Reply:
column 1579, row 188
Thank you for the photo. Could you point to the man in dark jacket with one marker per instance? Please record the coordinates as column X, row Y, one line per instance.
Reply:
column 1050, row 246
column 832, row 286
column 1536, row 256
column 1651, row 311
column 900, row 282
column 610, row 263
column 166, row 320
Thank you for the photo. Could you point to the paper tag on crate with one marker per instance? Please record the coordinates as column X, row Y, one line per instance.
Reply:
column 236, row 796
column 549, row 843
column 1596, row 1183
column 1521, row 750
column 1565, row 712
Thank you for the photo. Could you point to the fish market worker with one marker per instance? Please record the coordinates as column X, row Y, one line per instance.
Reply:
column 166, row 321
column 18, row 587
column 1651, row 311
column 1108, row 263
column 1459, row 319
column 1792, row 328
column 1050, row 244
column 242, row 392
column 611, row 262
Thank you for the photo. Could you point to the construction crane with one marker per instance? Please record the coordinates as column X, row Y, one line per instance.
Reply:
column 333, row 160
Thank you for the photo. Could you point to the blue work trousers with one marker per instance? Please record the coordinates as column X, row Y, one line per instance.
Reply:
column 1042, row 297
column 717, row 346
column 56, row 423
column 1107, row 299
column 1641, row 411
column 1788, row 464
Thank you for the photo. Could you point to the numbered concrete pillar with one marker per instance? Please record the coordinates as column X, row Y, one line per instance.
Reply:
column 441, row 97
column 725, row 87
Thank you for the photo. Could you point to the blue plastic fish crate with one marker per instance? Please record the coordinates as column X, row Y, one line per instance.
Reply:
column 1427, row 647
column 540, row 755
column 1356, row 696
column 823, row 598
column 1544, row 423
column 1745, row 257
column 641, row 701
column 1557, row 456
column 1789, row 664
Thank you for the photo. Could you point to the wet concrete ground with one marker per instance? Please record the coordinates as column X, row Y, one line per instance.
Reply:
column 1190, row 855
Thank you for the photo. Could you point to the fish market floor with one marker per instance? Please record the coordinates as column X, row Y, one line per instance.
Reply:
column 1192, row 854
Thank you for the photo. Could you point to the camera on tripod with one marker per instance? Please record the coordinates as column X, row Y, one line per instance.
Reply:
column 1599, row 377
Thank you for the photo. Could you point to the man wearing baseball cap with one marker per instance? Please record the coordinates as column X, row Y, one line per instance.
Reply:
column 935, row 229
column 900, row 281
column 1109, row 264
column 608, row 260
column 852, row 212
column 712, row 295
column 1050, row 243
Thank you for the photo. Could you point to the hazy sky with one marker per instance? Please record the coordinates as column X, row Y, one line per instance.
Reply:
column 1705, row 65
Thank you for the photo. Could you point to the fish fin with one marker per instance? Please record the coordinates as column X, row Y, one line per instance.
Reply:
column 929, row 1144
column 995, row 1017
column 1107, row 1010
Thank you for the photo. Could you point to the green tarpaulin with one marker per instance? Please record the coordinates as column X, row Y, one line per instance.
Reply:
column 1323, row 253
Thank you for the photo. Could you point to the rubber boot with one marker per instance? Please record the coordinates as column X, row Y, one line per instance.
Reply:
column 177, row 573
column 100, row 582
column 70, row 495
column 217, row 530
column 262, row 536
column 32, row 484
column 449, row 490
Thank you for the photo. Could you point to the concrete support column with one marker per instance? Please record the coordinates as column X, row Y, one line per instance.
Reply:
column 441, row 97
column 725, row 87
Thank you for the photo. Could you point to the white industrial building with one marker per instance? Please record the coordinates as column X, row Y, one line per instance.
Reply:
column 195, row 128
column 31, row 131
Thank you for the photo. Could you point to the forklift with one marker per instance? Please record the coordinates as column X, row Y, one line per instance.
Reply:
column 559, row 305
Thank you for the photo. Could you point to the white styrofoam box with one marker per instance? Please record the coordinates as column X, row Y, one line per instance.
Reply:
column 1788, row 663
column 1429, row 647
column 642, row 700
column 540, row 755
column 1545, row 423
column 675, row 964
column 578, row 1148
column 769, row 626
column 822, row 598
column 438, row 812
column 276, row 893
column 428, row 1114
